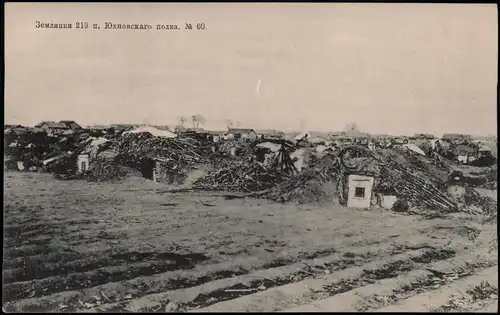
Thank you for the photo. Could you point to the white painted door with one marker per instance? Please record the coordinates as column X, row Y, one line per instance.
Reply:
column 360, row 191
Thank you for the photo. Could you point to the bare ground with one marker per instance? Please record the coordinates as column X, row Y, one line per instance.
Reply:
column 129, row 246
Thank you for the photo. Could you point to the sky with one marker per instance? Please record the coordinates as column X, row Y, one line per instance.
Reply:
column 389, row 68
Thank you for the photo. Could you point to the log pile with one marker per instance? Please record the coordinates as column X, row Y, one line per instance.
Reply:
column 487, row 204
column 303, row 188
column 65, row 164
column 104, row 170
column 185, row 150
column 420, row 188
column 243, row 148
column 239, row 177
column 433, row 169
column 179, row 155
column 33, row 148
column 307, row 186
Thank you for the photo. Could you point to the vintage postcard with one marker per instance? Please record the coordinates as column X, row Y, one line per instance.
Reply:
column 253, row 157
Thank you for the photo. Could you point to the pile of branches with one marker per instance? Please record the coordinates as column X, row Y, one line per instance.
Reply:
column 307, row 186
column 243, row 148
column 171, row 172
column 239, row 177
column 104, row 170
column 422, row 183
column 183, row 152
column 410, row 182
column 146, row 144
column 64, row 165
column 85, row 147
column 31, row 148
column 487, row 204
column 34, row 147
column 438, row 170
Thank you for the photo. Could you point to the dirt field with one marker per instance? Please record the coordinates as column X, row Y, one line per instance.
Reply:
column 73, row 246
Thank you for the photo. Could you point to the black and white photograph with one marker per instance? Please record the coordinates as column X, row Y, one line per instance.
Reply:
column 250, row 157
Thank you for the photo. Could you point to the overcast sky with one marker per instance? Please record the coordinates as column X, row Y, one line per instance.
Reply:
column 390, row 68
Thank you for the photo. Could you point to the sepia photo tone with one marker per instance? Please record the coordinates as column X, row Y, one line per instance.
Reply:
column 250, row 157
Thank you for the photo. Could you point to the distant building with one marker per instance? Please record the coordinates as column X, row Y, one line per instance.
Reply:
column 182, row 129
column 383, row 136
column 427, row 136
column 52, row 127
column 215, row 135
column 98, row 127
column 16, row 129
column 241, row 133
column 270, row 133
column 318, row 135
column 302, row 137
column 12, row 126
column 349, row 136
column 454, row 137
column 354, row 134
column 162, row 127
column 426, row 142
column 197, row 130
column 71, row 124
column 400, row 140
column 216, row 132
column 334, row 135
column 123, row 127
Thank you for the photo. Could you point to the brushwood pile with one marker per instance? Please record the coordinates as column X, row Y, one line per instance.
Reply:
column 278, row 171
